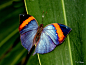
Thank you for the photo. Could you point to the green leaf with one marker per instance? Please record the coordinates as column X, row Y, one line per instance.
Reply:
column 68, row 12
column 11, row 51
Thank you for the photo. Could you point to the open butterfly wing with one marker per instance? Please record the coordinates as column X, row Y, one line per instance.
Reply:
column 27, row 29
column 51, row 36
column 27, row 39
column 45, row 44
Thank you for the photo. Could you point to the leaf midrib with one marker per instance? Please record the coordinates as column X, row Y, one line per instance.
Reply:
column 64, row 13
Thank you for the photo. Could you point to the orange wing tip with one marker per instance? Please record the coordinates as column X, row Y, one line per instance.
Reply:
column 25, row 22
column 59, row 32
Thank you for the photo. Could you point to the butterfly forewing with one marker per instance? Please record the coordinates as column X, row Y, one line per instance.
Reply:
column 27, row 29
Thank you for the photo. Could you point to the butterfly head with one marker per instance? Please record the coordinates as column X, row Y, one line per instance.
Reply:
column 41, row 25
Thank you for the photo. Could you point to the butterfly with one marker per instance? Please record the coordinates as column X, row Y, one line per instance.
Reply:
column 45, row 38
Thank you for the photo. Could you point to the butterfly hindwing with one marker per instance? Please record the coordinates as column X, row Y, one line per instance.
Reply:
column 27, row 29
column 52, row 35
column 27, row 39
column 45, row 44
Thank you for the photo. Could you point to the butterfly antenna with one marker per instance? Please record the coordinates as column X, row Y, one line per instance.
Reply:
column 45, row 13
column 43, row 16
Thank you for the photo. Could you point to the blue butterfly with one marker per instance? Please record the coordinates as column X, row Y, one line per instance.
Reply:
column 44, row 38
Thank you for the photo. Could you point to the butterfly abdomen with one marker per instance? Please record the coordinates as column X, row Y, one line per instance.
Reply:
column 38, row 34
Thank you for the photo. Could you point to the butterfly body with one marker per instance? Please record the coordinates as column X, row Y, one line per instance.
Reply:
column 44, row 38
column 38, row 34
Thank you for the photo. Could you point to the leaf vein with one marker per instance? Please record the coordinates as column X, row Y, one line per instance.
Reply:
column 64, row 13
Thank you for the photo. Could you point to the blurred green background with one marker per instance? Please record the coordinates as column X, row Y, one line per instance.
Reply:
column 71, row 52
